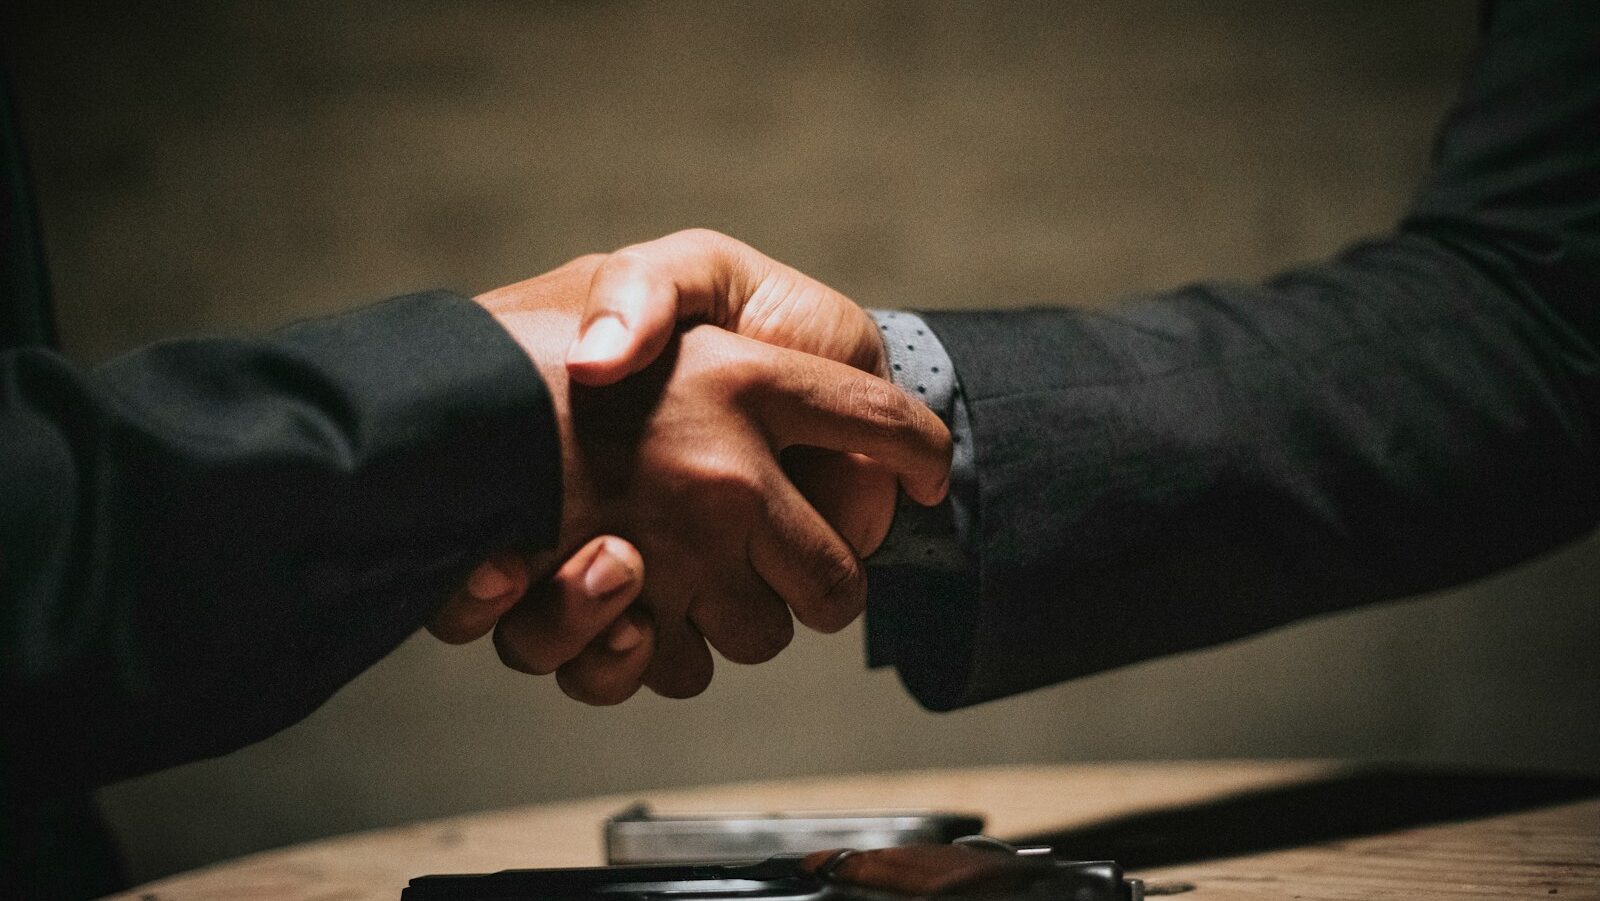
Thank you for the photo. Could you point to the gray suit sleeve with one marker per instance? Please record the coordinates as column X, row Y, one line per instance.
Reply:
column 1199, row 464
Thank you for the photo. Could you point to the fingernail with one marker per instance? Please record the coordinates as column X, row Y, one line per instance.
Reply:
column 605, row 339
column 605, row 575
column 625, row 635
column 488, row 581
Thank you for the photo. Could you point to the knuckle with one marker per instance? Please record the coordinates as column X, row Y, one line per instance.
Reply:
column 679, row 681
column 930, row 440
column 736, row 263
column 537, row 641
column 626, row 266
column 516, row 656
column 451, row 626
column 596, row 687
column 880, row 406
column 699, row 235
column 728, row 482
column 759, row 643
column 843, row 595
column 737, row 364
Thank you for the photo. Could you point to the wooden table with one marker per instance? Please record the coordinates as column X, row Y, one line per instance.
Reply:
column 1210, row 825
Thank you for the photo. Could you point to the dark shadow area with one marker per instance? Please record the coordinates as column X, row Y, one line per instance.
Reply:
column 1352, row 805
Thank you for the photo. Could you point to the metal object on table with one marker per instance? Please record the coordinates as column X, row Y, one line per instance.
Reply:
column 990, row 870
column 639, row 835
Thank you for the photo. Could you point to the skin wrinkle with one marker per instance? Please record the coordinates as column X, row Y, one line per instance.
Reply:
column 781, row 298
column 778, row 302
column 733, row 277
column 758, row 312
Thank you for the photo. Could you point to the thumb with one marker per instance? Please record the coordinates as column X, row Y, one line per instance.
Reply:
column 628, row 318
column 639, row 295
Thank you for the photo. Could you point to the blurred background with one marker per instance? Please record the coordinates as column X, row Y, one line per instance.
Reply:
column 226, row 167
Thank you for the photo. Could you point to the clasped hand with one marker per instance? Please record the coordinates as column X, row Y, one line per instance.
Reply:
column 726, row 422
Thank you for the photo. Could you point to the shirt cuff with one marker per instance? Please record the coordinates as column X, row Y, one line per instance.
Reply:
column 930, row 537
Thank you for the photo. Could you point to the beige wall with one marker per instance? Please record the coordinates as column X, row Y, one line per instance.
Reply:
column 231, row 166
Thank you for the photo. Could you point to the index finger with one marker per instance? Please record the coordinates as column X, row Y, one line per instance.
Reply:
column 811, row 401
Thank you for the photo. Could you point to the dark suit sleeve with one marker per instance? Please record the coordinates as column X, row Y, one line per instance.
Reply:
column 203, row 540
column 1196, row 465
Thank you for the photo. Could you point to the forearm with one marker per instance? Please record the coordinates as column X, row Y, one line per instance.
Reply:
column 205, row 539
column 1195, row 470
column 1202, row 463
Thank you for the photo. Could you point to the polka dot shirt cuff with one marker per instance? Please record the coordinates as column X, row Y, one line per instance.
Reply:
column 933, row 537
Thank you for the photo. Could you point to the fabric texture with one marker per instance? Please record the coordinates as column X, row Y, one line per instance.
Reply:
column 205, row 538
column 1195, row 465
column 201, row 541
column 931, row 537
column 25, row 314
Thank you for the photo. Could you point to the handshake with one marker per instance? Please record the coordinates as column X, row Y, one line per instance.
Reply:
column 728, row 428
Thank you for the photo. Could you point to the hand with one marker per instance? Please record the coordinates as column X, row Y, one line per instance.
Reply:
column 640, row 295
column 680, row 459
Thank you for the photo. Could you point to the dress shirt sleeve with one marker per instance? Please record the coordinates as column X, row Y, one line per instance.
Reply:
column 929, row 536
column 204, row 539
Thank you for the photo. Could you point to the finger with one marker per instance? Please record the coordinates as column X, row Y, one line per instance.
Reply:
column 811, row 401
column 852, row 492
column 492, row 589
column 554, row 624
column 806, row 562
column 640, row 293
column 746, row 621
column 611, row 668
column 681, row 666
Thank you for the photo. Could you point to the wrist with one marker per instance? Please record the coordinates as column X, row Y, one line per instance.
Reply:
column 543, row 335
